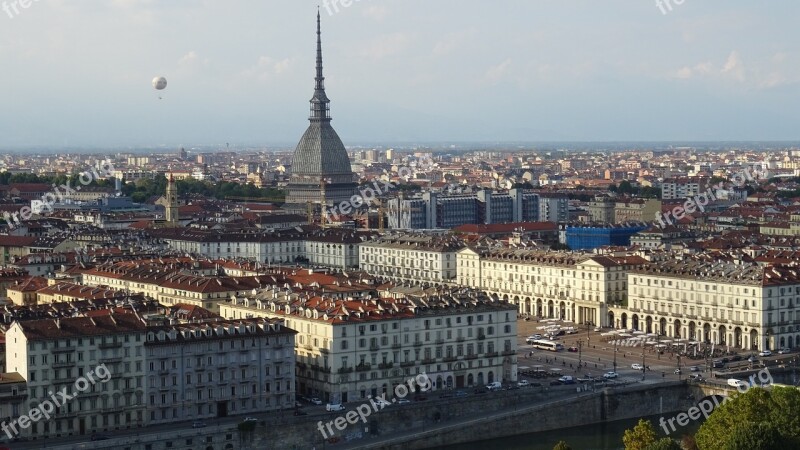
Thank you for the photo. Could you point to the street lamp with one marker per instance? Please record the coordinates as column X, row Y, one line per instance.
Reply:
column 615, row 355
column 644, row 367
column 580, row 346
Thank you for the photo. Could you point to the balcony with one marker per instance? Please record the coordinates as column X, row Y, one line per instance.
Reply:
column 396, row 346
column 374, row 348
column 60, row 364
column 418, row 344
column 490, row 354
column 386, row 365
column 481, row 337
column 104, row 345
column 450, row 359
column 324, row 350
column 200, row 368
column 459, row 339
column 509, row 353
column 345, row 370
column 428, row 361
column 111, row 359
column 63, row 349
column 471, row 356
column 439, row 341
column 363, row 367
column 407, row 364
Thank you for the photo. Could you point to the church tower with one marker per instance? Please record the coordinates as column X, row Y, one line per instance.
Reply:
column 171, row 215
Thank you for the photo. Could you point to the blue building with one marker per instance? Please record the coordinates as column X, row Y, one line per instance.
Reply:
column 588, row 237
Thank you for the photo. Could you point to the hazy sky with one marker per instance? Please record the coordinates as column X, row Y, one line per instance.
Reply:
column 78, row 72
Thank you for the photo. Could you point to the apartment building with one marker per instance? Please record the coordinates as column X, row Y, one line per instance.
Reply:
column 411, row 258
column 349, row 349
column 637, row 210
column 333, row 247
column 570, row 286
column 740, row 305
column 217, row 369
column 52, row 354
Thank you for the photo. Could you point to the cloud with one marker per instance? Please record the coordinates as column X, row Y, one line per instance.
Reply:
column 734, row 67
column 386, row 45
column 497, row 72
column 192, row 60
column 701, row 69
column 376, row 12
column 450, row 42
column 267, row 68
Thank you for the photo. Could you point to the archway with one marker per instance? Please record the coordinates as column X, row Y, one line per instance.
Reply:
column 470, row 380
column 439, row 382
column 480, row 379
column 635, row 321
column 562, row 307
column 692, row 331
column 551, row 309
column 610, row 319
column 791, row 345
column 528, row 309
column 737, row 337
column 721, row 339
column 449, row 382
column 491, row 377
column 754, row 340
column 539, row 307
column 662, row 327
column 648, row 324
column 677, row 331
column 624, row 320
column 707, row 333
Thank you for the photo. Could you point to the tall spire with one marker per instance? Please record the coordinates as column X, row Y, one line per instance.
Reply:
column 320, row 109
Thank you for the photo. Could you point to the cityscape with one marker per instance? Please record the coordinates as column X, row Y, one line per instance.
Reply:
column 593, row 245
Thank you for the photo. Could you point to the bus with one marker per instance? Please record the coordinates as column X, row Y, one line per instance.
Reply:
column 547, row 345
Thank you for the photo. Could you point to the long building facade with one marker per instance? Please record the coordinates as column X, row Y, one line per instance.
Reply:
column 350, row 349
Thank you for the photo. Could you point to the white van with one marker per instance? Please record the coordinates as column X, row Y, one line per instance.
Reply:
column 494, row 386
column 733, row 382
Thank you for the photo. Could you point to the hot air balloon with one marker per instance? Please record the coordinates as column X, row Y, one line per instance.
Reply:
column 159, row 83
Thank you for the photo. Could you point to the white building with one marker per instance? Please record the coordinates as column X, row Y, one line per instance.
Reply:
column 350, row 349
column 52, row 354
column 411, row 258
column 741, row 305
column 563, row 285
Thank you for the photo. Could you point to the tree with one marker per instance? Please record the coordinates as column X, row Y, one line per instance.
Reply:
column 612, row 187
column 664, row 444
column 625, row 187
column 640, row 437
column 757, row 436
column 779, row 407
column 562, row 446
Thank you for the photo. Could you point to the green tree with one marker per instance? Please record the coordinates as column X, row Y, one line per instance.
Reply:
column 757, row 436
column 779, row 407
column 664, row 444
column 561, row 445
column 639, row 437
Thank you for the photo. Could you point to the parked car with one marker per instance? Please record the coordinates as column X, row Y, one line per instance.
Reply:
column 784, row 351
column 752, row 359
column 198, row 424
column 523, row 383
column 678, row 371
column 610, row 375
column 100, row 437
column 717, row 364
column 555, row 383
column 636, row 366
column 765, row 353
column 736, row 358
column 696, row 377
column 250, row 419
column 334, row 407
column 598, row 329
column 573, row 349
column 566, row 379
column 460, row 394
column 315, row 401
column 694, row 369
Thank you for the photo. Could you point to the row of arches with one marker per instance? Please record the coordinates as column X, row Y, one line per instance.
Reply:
column 692, row 330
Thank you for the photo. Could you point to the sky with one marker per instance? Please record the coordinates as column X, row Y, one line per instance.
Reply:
column 78, row 72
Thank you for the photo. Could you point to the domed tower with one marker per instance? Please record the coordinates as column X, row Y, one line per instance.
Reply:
column 320, row 157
